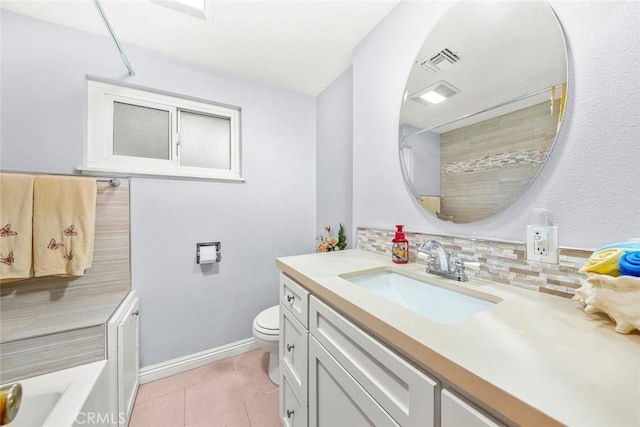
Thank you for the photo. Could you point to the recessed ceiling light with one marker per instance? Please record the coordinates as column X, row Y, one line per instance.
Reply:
column 435, row 93
column 433, row 97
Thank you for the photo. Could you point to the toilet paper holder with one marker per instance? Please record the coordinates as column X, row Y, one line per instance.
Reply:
column 208, row 252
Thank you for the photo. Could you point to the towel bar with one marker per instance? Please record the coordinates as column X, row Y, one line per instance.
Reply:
column 114, row 182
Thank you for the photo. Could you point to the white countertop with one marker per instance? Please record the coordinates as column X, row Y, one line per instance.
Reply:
column 534, row 358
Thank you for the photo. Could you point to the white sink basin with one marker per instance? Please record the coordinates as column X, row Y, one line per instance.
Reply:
column 429, row 300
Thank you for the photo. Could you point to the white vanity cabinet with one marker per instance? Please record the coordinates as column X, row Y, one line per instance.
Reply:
column 332, row 373
column 456, row 412
column 293, row 350
column 123, row 355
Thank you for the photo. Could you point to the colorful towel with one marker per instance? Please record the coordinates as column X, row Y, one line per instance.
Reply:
column 603, row 262
column 64, row 216
column 632, row 245
column 630, row 264
column 16, row 216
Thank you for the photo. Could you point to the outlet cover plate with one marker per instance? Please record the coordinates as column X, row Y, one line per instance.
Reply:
column 551, row 248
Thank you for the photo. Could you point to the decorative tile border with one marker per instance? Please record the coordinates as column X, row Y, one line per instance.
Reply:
column 534, row 156
column 500, row 261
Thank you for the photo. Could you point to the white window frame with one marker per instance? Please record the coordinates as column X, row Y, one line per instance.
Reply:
column 99, row 157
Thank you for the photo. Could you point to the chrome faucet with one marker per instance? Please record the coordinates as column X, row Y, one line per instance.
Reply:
column 440, row 256
column 443, row 263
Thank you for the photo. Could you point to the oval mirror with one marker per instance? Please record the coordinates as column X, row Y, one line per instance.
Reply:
column 482, row 106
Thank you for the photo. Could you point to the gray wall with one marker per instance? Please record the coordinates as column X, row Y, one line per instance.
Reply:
column 426, row 160
column 334, row 156
column 589, row 182
column 184, row 308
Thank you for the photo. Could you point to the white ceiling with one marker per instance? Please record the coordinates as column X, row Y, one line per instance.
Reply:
column 300, row 45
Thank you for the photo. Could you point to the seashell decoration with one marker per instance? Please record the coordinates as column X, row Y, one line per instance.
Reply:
column 617, row 297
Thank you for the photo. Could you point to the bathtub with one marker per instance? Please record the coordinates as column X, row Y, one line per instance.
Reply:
column 57, row 399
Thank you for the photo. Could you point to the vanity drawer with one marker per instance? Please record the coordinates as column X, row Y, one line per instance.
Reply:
column 293, row 410
column 293, row 351
column 295, row 298
column 406, row 393
column 457, row 412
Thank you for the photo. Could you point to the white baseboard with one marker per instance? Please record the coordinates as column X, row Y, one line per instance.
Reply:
column 192, row 361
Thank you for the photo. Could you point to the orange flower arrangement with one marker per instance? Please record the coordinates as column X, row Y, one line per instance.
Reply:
column 329, row 243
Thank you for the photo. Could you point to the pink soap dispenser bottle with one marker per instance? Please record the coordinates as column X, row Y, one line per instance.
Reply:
column 400, row 248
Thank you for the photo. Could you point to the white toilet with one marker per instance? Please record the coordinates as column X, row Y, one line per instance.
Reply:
column 266, row 331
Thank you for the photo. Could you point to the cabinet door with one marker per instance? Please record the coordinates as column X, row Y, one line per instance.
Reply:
column 293, row 351
column 402, row 390
column 128, row 358
column 293, row 409
column 455, row 412
column 335, row 398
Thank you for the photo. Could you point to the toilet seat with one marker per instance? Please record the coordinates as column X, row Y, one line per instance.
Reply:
column 267, row 323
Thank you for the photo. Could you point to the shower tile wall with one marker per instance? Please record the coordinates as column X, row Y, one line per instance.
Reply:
column 51, row 323
column 500, row 261
column 486, row 165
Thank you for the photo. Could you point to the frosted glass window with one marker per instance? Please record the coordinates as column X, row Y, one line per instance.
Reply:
column 135, row 131
column 205, row 141
column 141, row 131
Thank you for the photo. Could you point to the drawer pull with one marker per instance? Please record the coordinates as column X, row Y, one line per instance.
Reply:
column 136, row 313
column 290, row 347
column 290, row 298
column 290, row 413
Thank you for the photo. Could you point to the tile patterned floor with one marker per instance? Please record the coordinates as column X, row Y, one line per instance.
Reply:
column 234, row 392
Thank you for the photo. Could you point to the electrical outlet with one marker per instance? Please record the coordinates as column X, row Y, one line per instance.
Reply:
column 542, row 243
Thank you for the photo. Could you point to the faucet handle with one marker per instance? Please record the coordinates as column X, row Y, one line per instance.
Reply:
column 472, row 265
column 429, row 257
column 456, row 263
column 459, row 261
column 457, row 269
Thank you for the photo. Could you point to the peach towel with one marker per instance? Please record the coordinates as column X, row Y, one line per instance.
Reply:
column 16, row 216
column 64, row 218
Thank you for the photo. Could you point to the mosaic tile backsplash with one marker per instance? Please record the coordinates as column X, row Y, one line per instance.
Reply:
column 534, row 156
column 500, row 261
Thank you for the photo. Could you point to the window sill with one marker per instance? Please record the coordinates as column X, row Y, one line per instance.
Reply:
column 101, row 171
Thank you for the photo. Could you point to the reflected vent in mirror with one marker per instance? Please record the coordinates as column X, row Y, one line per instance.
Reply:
column 441, row 60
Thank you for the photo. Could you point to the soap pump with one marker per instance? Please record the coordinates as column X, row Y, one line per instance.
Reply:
column 400, row 248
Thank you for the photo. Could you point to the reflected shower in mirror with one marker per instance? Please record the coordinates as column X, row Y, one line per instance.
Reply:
column 482, row 106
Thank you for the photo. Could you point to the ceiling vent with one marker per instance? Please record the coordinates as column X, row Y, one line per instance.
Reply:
column 441, row 60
